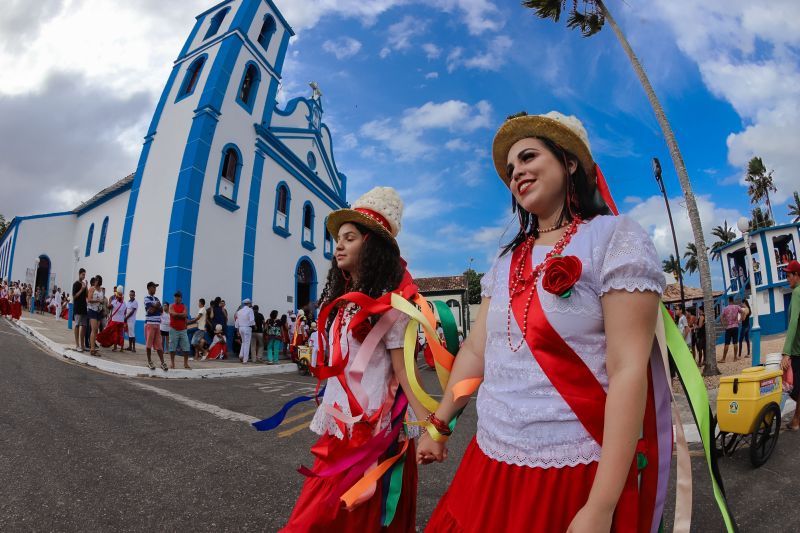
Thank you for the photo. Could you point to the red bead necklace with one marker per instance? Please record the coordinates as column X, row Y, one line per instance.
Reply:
column 519, row 281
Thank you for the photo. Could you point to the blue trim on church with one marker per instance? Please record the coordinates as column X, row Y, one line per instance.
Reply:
column 251, row 225
column 186, row 206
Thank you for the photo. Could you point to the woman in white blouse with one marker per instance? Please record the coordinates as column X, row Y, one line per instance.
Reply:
column 562, row 341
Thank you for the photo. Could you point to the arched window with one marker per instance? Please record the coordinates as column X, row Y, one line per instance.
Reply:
column 89, row 241
column 267, row 31
column 101, row 247
column 311, row 159
column 216, row 22
column 249, row 87
column 191, row 78
column 455, row 307
column 308, row 226
column 283, row 202
column 228, row 181
column 327, row 246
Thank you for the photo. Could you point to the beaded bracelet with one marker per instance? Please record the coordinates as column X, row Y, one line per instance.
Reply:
column 440, row 426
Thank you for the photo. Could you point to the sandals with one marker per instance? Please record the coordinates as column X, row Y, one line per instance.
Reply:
column 151, row 365
column 164, row 367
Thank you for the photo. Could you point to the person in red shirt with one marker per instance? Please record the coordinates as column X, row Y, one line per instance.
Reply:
column 178, row 338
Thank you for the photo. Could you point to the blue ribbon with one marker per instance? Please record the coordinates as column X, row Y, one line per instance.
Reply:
column 276, row 419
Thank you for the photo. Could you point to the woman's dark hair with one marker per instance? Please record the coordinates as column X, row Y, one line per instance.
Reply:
column 589, row 202
column 283, row 320
column 273, row 315
column 744, row 303
column 379, row 269
column 98, row 279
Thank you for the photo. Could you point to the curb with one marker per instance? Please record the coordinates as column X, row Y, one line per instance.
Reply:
column 122, row 369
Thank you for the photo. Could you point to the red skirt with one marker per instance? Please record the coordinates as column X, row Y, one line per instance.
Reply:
column 489, row 495
column 16, row 310
column 112, row 335
column 5, row 308
column 312, row 513
column 217, row 351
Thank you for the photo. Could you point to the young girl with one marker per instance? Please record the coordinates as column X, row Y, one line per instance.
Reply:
column 113, row 333
column 274, row 338
column 219, row 344
column 96, row 299
column 562, row 341
column 362, row 405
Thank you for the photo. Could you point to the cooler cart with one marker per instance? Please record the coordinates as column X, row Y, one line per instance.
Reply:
column 303, row 360
column 749, row 404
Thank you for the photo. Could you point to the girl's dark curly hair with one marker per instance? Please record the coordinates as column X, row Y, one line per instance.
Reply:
column 379, row 269
column 589, row 201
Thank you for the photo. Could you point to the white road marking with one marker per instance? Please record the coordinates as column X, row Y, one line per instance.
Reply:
column 215, row 410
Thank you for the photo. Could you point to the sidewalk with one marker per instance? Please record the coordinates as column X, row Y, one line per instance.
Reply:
column 55, row 336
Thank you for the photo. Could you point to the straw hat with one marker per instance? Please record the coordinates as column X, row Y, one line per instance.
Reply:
column 566, row 131
column 218, row 328
column 379, row 210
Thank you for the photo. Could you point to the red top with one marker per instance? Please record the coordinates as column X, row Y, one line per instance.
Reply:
column 178, row 324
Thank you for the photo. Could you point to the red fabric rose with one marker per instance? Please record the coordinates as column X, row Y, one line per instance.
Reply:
column 561, row 274
column 361, row 331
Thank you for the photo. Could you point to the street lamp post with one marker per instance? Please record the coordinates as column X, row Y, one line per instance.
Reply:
column 468, row 315
column 660, row 182
column 755, row 332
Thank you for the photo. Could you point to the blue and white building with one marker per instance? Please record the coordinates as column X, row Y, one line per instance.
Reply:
column 230, row 195
column 771, row 249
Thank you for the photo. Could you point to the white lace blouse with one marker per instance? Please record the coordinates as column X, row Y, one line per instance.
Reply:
column 522, row 419
column 375, row 382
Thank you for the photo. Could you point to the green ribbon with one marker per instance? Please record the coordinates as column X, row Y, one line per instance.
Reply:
column 697, row 396
column 448, row 325
column 395, row 488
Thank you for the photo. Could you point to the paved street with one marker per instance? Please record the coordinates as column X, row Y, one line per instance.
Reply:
column 83, row 450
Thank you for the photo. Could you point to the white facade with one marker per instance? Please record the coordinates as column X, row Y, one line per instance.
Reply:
column 201, row 212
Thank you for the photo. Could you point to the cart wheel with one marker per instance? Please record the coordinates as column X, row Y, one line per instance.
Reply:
column 302, row 367
column 765, row 436
column 725, row 443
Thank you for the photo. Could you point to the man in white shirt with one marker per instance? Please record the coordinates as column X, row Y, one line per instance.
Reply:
column 244, row 322
column 683, row 326
column 131, row 307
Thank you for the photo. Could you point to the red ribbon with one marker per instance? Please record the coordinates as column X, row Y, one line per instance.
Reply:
column 377, row 217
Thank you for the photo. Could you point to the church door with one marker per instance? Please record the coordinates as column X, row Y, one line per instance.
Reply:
column 43, row 274
column 305, row 279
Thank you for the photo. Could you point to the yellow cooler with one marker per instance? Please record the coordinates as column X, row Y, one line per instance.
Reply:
column 742, row 397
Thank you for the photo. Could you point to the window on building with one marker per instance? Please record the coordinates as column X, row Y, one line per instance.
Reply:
column 311, row 159
column 283, row 201
column 88, row 251
column 101, row 247
column 191, row 78
column 267, row 31
column 308, row 226
column 230, row 170
column 216, row 22
column 327, row 246
column 249, row 87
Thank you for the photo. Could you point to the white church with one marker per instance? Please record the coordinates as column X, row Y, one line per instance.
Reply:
column 230, row 195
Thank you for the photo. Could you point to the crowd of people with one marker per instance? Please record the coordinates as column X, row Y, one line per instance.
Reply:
column 101, row 320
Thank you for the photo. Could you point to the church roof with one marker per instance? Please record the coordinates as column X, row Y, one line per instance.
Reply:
column 106, row 194
column 441, row 284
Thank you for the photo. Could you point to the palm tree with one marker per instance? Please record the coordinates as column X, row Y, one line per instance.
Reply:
column 589, row 16
column 759, row 183
column 672, row 266
column 760, row 219
column 725, row 234
column 4, row 225
column 794, row 209
column 691, row 258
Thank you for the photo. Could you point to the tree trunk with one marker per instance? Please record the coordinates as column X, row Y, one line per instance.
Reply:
column 691, row 206
column 769, row 208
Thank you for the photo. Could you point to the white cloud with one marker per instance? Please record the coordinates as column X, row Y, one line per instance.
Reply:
column 632, row 199
column 401, row 33
column 342, row 47
column 384, row 53
column 479, row 15
column 492, row 59
column 348, row 141
column 431, row 50
column 404, row 136
column 431, row 75
column 652, row 215
column 748, row 56
column 458, row 145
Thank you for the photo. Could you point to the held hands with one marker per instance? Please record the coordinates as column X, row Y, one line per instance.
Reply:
column 429, row 450
column 785, row 363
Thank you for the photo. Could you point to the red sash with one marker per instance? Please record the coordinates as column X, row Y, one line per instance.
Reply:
column 574, row 381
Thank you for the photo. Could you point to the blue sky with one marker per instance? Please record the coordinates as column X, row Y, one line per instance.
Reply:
column 413, row 92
